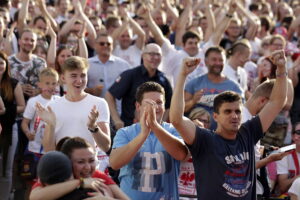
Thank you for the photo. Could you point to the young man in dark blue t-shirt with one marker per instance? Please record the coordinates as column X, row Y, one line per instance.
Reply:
column 224, row 159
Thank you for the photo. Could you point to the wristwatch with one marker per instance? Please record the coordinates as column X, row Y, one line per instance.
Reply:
column 94, row 130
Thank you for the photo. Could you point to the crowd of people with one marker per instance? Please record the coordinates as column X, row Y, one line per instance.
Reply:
column 154, row 99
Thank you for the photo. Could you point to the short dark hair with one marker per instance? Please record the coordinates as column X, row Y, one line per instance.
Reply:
column 40, row 17
column 216, row 49
column 149, row 86
column 190, row 34
column 70, row 144
column 225, row 97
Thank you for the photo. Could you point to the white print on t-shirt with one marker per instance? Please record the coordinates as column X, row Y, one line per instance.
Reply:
column 207, row 100
column 148, row 168
column 236, row 181
column 237, row 159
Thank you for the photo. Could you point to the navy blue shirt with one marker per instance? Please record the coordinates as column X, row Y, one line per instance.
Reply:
column 126, row 85
column 225, row 169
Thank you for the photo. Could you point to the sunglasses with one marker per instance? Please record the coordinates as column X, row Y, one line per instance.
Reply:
column 297, row 132
column 104, row 44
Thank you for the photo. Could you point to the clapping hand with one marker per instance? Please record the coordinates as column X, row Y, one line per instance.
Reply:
column 46, row 114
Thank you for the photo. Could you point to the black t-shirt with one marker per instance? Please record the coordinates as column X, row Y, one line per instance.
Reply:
column 225, row 169
column 126, row 85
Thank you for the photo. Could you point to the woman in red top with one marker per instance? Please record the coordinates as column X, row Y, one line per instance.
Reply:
column 83, row 160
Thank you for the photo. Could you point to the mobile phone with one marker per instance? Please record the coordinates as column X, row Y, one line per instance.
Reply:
column 285, row 149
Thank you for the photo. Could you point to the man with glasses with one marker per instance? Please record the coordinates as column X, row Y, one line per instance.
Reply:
column 288, row 169
column 127, row 83
column 104, row 67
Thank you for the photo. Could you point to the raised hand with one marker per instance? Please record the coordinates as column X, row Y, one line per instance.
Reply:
column 232, row 7
column 144, row 12
column 189, row 65
column 278, row 58
column 150, row 109
column 145, row 128
column 47, row 115
column 94, row 114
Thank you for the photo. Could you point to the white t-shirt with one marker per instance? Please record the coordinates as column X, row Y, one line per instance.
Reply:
column 240, row 75
column 286, row 165
column 36, row 124
column 172, row 60
column 132, row 54
column 295, row 188
column 72, row 117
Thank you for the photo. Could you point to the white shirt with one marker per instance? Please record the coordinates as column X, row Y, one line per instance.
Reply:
column 72, row 117
column 295, row 188
column 286, row 164
column 105, row 73
column 240, row 75
column 172, row 60
column 36, row 124
column 132, row 54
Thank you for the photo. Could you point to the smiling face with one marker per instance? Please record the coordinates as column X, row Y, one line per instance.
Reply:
column 47, row 85
column 75, row 80
column 27, row 42
column 228, row 118
column 63, row 55
column 191, row 46
column 215, row 62
column 84, row 162
column 152, row 57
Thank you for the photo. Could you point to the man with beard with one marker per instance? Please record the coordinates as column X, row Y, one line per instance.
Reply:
column 201, row 91
column 25, row 66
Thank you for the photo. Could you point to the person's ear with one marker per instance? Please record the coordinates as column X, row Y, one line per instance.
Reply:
column 215, row 116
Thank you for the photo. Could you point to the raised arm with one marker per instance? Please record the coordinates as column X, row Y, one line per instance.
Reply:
column 102, row 131
column 22, row 17
column 253, row 21
column 155, row 30
column 173, row 145
column 279, row 92
column 184, row 126
column 89, row 26
column 172, row 12
column 51, row 54
column 211, row 21
column 123, row 155
column 140, row 41
column 220, row 29
column 183, row 22
column 83, row 51
column 44, row 11
column 48, row 116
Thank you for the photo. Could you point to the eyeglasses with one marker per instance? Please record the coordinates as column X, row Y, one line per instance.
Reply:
column 297, row 132
column 152, row 54
column 104, row 44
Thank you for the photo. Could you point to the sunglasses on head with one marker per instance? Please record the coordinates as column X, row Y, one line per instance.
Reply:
column 104, row 44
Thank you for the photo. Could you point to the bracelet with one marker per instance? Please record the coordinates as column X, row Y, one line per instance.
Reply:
column 81, row 183
column 229, row 15
column 283, row 74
